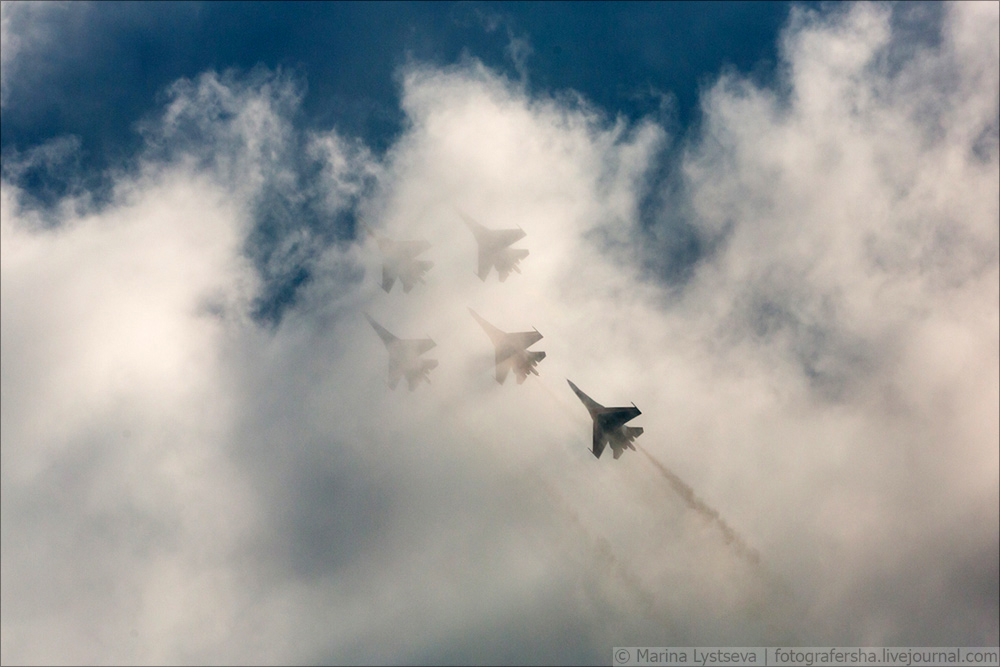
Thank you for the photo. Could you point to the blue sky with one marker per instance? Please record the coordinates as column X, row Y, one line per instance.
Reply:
column 113, row 65
column 621, row 57
column 773, row 227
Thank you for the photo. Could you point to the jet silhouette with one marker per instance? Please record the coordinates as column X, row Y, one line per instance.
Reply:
column 609, row 425
column 399, row 261
column 494, row 250
column 512, row 350
column 404, row 357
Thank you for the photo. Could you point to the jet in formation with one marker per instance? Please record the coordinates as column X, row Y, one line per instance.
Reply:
column 399, row 261
column 494, row 250
column 404, row 357
column 609, row 425
column 512, row 350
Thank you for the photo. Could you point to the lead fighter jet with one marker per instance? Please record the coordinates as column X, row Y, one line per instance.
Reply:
column 399, row 261
column 609, row 425
column 512, row 350
column 404, row 357
column 494, row 250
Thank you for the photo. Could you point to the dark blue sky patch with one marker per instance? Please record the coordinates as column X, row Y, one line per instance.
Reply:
column 286, row 263
column 624, row 56
column 104, row 69
column 288, row 236
column 293, row 224
column 917, row 27
column 104, row 64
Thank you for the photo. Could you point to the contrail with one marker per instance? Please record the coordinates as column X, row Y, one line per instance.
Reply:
column 701, row 507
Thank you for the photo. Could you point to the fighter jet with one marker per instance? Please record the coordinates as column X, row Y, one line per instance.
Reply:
column 404, row 357
column 399, row 261
column 609, row 425
column 494, row 250
column 512, row 350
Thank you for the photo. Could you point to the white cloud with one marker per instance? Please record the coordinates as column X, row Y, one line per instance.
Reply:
column 180, row 485
column 861, row 248
column 118, row 499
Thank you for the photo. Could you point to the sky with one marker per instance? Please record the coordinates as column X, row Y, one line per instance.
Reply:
column 773, row 227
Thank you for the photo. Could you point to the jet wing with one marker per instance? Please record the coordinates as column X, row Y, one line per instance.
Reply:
column 600, row 439
column 418, row 347
column 495, row 334
column 501, row 238
column 522, row 340
column 611, row 418
column 473, row 226
column 508, row 344
column 383, row 333
column 411, row 248
column 493, row 238
column 592, row 405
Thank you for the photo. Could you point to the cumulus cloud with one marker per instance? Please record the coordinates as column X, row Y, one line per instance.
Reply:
column 115, row 484
column 858, row 215
column 181, row 484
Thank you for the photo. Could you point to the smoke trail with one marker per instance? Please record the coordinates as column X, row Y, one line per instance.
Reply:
column 783, row 603
column 602, row 549
column 698, row 505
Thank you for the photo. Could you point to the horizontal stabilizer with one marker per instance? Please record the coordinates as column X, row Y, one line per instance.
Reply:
column 388, row 279
column 533, row 359
column 530, row 360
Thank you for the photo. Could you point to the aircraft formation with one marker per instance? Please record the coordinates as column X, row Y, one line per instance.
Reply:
column 399, row 262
